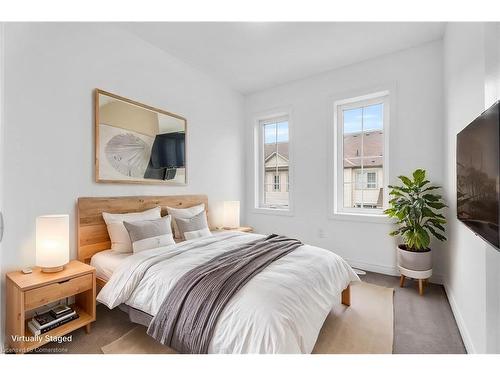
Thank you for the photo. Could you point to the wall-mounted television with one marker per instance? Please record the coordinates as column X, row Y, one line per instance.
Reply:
column 478, row 171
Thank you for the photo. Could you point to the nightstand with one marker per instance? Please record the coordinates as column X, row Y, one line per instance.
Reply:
column 28, row 292
column 239, row 229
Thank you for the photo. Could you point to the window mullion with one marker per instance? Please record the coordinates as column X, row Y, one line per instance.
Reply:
column 264, row 192
column 362, row 157
column 276, row 150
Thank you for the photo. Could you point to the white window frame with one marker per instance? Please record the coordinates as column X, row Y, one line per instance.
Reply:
column 259, row 167
column 375, row 97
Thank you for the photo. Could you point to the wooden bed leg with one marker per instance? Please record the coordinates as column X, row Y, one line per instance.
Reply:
column 346, row 296
column 87, row 328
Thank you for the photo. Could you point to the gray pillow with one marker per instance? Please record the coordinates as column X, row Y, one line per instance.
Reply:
column 194, row 227
column 150, row 234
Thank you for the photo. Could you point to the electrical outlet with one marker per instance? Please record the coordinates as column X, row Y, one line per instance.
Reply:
column 321, row 233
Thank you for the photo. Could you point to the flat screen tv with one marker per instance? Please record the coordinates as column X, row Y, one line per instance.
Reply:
column 478, row 170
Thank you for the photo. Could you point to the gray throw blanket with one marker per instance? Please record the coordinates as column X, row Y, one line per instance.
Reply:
column 187, row 317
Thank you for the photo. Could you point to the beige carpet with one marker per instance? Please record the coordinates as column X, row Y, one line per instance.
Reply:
column 366, row 327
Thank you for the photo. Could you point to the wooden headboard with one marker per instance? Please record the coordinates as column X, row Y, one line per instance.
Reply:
column 91, row 228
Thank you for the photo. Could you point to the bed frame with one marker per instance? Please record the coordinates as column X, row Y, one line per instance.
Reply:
column 92, row 234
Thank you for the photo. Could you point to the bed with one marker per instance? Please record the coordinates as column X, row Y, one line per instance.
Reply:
column 280, row 310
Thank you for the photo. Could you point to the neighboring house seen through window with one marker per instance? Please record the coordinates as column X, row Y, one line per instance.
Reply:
column 274, row 163
column 361, row 145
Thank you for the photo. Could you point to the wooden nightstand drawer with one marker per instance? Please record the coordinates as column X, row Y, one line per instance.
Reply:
column 41, row 296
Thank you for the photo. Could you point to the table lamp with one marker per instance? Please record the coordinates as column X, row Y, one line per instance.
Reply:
column 231, row 214
column 52, row 242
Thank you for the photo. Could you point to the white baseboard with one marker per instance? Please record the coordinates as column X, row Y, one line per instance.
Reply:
column 386, row 270
column 469, row 346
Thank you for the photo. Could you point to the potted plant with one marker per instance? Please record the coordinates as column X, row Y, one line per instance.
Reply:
column 416, row 208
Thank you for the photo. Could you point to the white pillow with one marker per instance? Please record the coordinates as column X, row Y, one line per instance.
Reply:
column 184, row 213
column 150, row 234
column 120, row 239
column 205, row 232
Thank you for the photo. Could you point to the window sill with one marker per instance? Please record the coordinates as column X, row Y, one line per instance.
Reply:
column 360, row 217
column 272, row 211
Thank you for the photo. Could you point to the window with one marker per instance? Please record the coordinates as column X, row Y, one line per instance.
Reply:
column 371, row 181
column 276, row 182
column 361, row 148
column 273, row 163
column 366, row 180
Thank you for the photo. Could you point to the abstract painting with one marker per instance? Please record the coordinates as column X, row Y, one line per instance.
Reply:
column 137, row 143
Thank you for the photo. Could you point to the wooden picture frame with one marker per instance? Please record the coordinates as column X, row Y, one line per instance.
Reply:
column 116, row 174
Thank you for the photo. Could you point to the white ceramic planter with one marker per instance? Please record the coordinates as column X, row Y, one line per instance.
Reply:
column 417, row 265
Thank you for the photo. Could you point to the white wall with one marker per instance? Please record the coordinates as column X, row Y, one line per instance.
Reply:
column 492, row 62
column 472, row 266
column 416, row 140
column 1, row 169
column 51, row 71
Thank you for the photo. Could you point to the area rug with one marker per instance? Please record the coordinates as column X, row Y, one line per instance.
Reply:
column 366, row 327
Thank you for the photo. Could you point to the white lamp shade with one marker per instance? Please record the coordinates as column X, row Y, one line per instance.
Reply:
column 231, row 214
column 52, row 241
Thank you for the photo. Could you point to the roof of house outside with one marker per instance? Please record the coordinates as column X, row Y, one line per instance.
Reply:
column 270, row 148
column 372, row 146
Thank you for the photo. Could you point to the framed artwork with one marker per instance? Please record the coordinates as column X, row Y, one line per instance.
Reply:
column 137, row 143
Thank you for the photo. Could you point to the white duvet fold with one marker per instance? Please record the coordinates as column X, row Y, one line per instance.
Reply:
column 280, row 310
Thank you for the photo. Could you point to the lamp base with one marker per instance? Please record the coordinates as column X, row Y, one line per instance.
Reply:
column 52, row 269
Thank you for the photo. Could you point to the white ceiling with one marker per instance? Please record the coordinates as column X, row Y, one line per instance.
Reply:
column 251, row 56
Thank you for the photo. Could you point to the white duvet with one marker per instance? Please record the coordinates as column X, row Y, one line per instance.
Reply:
column 281, row 310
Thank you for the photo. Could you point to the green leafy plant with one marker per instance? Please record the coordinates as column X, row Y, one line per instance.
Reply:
column 416, row 207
